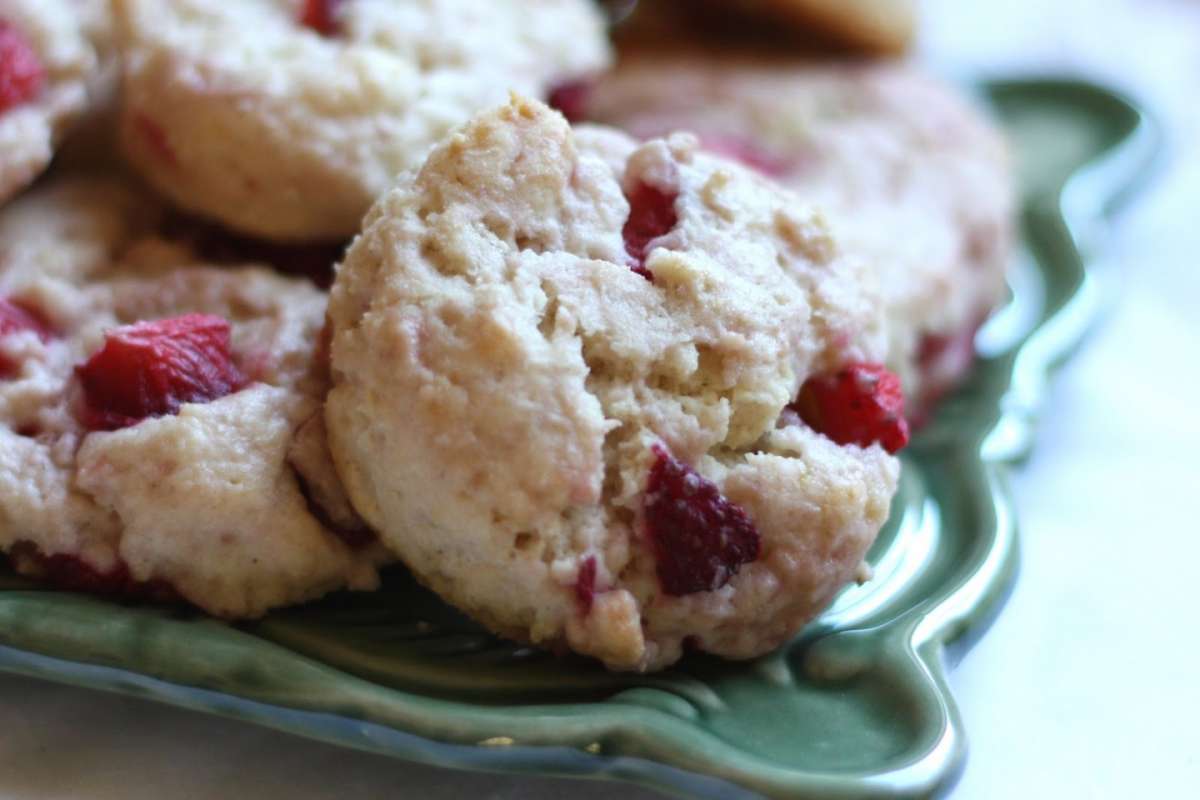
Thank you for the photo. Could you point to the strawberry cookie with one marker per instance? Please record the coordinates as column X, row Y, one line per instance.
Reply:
column 45, row 61
column 618, row 397
column 160, row 419
column 916, row 181
column 286, row 118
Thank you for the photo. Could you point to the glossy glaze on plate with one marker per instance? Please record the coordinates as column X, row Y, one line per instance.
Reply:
column 856, row 706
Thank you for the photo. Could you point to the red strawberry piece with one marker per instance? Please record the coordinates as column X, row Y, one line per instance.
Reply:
column 943, row 361
column 150, row 369
column 15, row 318
column 74, row 574
column 21, row 73
column 749, row 153
column 321, row 16
column 651, row 215
column 948, row 354
column 585, row 585
column 860, row 404
column 699, row 538
column 571, row 99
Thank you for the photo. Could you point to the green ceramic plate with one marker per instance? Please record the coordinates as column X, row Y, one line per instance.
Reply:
column 856, row 706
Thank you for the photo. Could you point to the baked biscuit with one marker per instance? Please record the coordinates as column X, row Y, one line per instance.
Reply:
column 152, row 412
column 285, row 118
column 565, row 374
column 915, row 179
column 45, row 62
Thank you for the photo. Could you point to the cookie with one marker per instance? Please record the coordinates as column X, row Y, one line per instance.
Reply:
column 915, row 179
column 565, row 380
column 153, row 415
column 871, row 27
column 45, row 61
column 285, row 118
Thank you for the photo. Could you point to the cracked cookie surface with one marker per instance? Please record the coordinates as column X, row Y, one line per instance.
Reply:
column 562, row 365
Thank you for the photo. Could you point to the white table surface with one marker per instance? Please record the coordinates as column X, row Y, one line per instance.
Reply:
column 1087, row 684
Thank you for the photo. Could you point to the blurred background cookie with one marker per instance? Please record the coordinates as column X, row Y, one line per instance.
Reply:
column 916, row 180
column 869, row 27
column 153, row 414
column 46, row 60
column 285, row 118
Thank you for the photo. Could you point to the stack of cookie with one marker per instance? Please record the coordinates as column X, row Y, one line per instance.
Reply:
column 621, row 391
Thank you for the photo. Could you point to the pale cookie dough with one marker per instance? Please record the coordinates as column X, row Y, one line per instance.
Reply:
column 916, row 180
column 32, row 129
column 241, row 112
column 506, row 382
column 206, row 504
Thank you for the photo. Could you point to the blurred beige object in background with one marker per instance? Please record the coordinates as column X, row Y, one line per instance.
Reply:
column 875, row 26
column 865, row 27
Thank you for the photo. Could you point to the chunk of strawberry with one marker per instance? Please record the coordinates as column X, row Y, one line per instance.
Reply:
column 15, row 318
column 699, row 538
column 321, row 16
column 585, row 585
column 943, row 361
column 74, row 574
column 651, row 215
column 21, row 73
column 860, row 404
column 571, row 98
column 150, row 369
